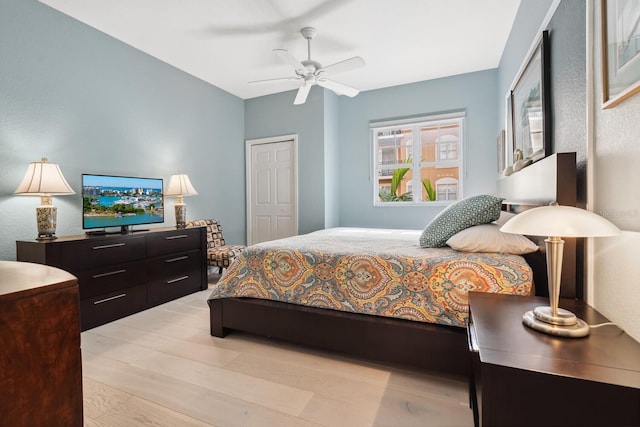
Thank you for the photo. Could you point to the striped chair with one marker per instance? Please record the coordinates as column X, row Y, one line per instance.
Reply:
column 219, row 254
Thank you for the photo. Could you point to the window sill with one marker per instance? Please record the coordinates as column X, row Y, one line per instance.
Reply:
column 412, row 204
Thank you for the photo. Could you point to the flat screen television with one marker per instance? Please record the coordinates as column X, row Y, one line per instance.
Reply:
column 121, row 201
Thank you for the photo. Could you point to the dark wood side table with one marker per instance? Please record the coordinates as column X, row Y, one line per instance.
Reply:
column 521, row 377
column 40, row 360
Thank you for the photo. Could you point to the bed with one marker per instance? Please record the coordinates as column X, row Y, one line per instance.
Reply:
column 375, row 293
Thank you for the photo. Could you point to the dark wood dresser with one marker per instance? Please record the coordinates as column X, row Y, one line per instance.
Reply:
column 122, row 274
column 40, row 360
column 521, row 377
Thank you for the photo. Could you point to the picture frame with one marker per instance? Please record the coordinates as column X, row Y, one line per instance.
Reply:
column 620, row 50
column 502, row 151
column 509, row 147
column 530, row 99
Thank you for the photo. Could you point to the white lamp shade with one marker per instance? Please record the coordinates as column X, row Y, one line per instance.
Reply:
column 44, row 179
column 180, row 185
column 560, row 221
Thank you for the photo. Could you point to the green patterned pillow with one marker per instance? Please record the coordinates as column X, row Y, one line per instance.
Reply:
column 476, row 210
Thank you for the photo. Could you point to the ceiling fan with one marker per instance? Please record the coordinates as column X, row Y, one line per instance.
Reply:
column 310, row 72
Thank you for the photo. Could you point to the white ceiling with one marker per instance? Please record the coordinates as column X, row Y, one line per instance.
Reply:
column 229, row 42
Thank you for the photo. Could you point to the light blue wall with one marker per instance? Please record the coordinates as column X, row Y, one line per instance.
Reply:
column 475, row 93
column 567, row 40
column 530, row 15
column 569, row 85
column 275, row 115
column 334, row 144
column 331, row 160
column 94, row 104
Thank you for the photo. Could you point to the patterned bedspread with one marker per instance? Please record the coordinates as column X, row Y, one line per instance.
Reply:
column 372, row 271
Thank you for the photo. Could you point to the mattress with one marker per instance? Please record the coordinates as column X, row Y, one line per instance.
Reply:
column 372, row 271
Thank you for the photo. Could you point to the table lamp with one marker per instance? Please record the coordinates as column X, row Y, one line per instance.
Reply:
column 44, row 179
column 180, row 186
column 556, row 222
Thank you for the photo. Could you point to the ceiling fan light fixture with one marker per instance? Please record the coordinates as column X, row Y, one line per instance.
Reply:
column 308, row 32
column 311, row 72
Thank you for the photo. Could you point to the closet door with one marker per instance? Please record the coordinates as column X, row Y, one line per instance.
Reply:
column 271, row 189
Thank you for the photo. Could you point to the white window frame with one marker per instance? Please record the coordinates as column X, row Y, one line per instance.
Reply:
column 416, row 124
column 447, row 181
column 445, row 142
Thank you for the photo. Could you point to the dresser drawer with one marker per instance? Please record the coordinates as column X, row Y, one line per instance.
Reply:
column 173, row 265
column 104, row 280
column 171, row 242
column 94, row 253
column 163, row 290
column 104, row 308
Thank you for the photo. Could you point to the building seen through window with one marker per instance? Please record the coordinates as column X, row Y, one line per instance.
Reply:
column 418, row 161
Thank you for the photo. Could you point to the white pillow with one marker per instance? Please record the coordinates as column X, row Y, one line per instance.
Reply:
column 504, row 217
column 489, row 238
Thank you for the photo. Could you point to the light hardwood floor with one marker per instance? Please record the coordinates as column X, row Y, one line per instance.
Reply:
column 161, row 367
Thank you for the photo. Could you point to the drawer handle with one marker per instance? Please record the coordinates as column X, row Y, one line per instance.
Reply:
column 115, row 245
column 473, row 339
column 180, row 258
column 179, row 279
column 179, row 236
column 111, row 273
column 109, row 299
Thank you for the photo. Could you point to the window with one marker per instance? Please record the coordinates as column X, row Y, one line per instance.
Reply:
column 447, row 189
column 447, row 147
column 418, row 161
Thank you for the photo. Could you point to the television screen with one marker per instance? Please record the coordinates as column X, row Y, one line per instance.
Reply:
column 120, row 201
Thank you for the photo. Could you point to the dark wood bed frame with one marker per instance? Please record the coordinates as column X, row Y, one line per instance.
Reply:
column 413, row 344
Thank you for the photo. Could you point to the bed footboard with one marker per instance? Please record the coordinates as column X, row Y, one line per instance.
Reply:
column 414, row 344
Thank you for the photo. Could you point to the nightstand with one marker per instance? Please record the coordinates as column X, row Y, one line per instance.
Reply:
column 40, row 359
column 521, row 377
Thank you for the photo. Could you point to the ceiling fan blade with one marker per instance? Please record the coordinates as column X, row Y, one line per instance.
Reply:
column 287, row 58
column 302, row 94
column 346, row 65
column 278, row 80
column 338, row 88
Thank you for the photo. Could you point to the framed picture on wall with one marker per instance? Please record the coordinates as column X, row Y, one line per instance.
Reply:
column 508, row 134
column 530, row 112
column 620, row 50
column 502, row 151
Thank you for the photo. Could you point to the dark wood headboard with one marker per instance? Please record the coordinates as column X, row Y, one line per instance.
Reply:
column 553, row 178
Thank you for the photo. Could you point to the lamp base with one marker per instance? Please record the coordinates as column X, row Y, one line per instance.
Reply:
column 181, row 215
column 47, row 236
column 563, row 318
column 541, row 320
column 46, row 216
